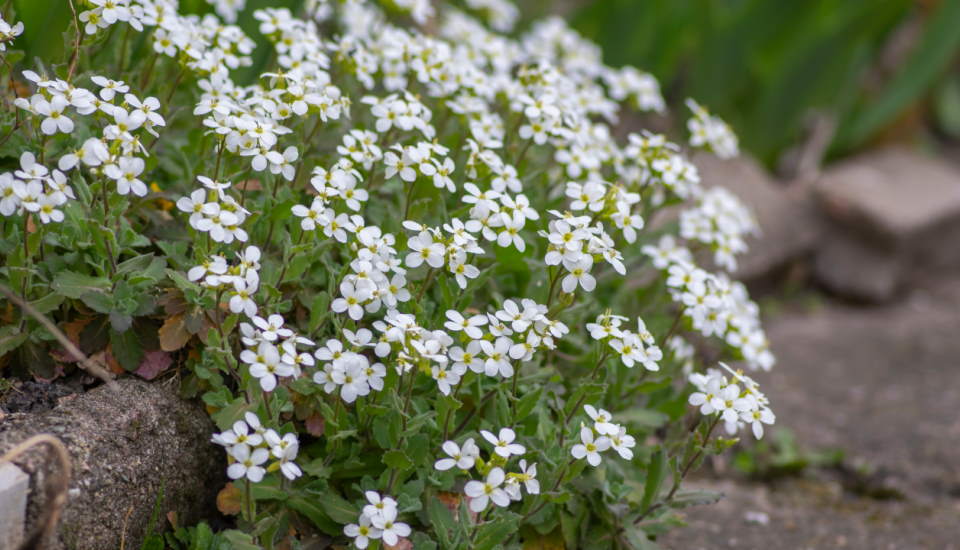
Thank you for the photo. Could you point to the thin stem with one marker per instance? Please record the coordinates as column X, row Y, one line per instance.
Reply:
column 473, row 412
column 409, row 197
column 426, row 283
column 683, row 473
column 85, row 362
column 266, row 403
column 123, row 50
column 576, row 406
column 148, row 72
column 248, row 500
column 173, row 88
column 76, row 43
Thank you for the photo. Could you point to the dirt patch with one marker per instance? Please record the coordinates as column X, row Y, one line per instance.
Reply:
column 28, row 396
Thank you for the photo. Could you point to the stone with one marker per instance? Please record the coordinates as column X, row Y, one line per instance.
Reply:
column 132, row 450
column 892, row 196
column 790, row 225
column 851, row 268
column 893, row 214
column 14, row 486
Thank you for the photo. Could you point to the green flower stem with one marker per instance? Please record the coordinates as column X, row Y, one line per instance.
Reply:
column 573, row 411
column 683, row 474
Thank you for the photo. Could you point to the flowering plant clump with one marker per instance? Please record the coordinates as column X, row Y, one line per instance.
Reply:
column 425, row 293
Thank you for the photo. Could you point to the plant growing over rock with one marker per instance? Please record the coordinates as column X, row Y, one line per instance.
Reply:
column 426, row 294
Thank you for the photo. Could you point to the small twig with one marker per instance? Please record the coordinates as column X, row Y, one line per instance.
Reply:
column 56, row 489
column 85, row 362
column 75, row 56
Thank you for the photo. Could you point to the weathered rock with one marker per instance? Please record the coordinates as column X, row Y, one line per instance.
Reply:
column 790, row 224
column 131, row 449
column 14, row 485
column 892, row 196
column 893, row 213
column 858, row 270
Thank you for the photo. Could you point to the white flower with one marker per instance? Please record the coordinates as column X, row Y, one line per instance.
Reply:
column 623, row 443
column 390, row 529
column 601, row 420
column 498, row 357
column 503, row 442
column 461, row 457
column 379, row 506
column 446, row 378
column 247, row 463
column 470, row 326
column 55, row 119
column 424, row 249
column 352, row 300
column 579, row 275
column 481, row 493
column 362, row 532
column 590, row 447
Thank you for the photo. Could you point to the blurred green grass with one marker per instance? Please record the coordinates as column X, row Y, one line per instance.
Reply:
column 766, row 65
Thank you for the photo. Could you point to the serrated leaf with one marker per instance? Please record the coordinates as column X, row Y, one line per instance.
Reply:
column 397, row 459
column 47, row 303
column 526, row 403
column 75, row 285
column 496, row 532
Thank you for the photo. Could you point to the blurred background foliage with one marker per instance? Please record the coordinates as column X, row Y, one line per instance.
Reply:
column 870, row 70
column 853, row 71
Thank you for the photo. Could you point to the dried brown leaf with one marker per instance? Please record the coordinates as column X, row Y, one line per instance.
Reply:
column 174, row 334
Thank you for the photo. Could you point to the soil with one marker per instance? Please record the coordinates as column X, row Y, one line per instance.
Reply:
column 883, row 385
column 28, row 396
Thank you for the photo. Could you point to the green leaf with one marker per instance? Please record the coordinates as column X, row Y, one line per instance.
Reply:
column 397, row 459
column 496, row 532
column 76, row 285
column 48, row 303
column 422, row 542
column 313, row 510
column 684, row 499
column 656, row 471
column 441, row 519
column 644, row 417
column 526, row 403
column 126, row 348
column 11, row 337
column 337, row 508
column 239, row 540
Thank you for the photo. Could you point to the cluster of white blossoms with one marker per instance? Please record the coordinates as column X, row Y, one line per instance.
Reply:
column 346, row 369
column 249, row 446
column 114, row 156
column 719, row 220
column 212, row 210
column 633, row 347
column 9, row 33
column 545, row 94
column 378, row 520
column 714, row 304
column 737, row 406
column 272, row 351
column 497, row 486
column 711, row 132
column 603, row 435
column 240, row 281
